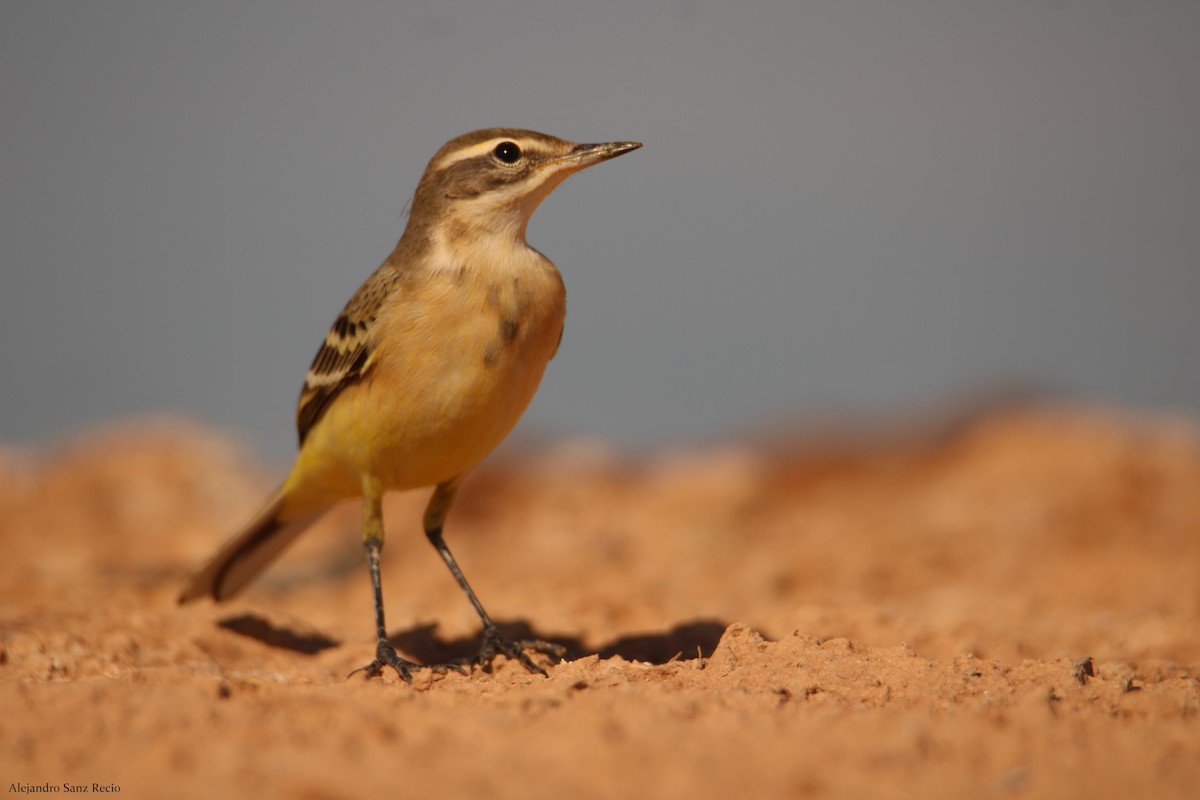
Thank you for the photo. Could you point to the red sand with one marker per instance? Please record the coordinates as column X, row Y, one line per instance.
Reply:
column 907, row 619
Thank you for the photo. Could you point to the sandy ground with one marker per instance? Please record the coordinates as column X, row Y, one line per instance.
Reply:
column 905, row 617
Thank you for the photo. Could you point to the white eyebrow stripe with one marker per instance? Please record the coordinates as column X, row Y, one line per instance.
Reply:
column 483, row 148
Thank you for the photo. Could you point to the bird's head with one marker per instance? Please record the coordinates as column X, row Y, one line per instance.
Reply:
column 492, row 180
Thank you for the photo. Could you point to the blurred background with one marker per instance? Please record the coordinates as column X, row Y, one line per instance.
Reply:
column 844, row 210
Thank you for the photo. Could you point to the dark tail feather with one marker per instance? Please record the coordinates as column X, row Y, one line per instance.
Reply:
column 248, row 552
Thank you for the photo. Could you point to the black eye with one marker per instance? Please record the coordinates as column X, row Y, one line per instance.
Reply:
column 508, row 152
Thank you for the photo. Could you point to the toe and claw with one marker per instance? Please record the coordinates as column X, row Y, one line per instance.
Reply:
column 386, row 656
column 495, row 643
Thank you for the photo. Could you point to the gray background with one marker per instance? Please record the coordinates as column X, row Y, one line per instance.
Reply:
column 851, row 210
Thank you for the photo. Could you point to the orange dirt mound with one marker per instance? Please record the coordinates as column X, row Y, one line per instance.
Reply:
column 912, row 618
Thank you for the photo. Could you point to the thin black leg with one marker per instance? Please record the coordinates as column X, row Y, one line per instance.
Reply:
column 494, row 640
column 385, row 653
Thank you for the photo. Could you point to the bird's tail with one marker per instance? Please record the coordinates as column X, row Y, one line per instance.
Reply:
column 249, row 551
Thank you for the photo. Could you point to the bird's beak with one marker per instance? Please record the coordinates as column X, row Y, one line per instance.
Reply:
column 584, row 155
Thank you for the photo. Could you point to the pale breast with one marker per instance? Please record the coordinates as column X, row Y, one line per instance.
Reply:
column 458, row 363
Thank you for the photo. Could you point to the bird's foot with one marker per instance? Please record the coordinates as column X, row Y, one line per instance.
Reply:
column 386, row 656
column 496, row 643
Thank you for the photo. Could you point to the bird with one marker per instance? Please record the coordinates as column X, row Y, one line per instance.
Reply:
column 426, row 369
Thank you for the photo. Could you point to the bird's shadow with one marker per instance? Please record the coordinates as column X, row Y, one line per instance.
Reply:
column 687, row 640
column 263, row 630
column 684, row 641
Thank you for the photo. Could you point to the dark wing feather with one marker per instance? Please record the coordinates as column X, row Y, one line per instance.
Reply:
column 345, row 355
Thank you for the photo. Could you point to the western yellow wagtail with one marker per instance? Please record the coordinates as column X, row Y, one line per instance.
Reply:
column 427, row 368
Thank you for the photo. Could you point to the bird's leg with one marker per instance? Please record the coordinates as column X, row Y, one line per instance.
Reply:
column 494, row 641
column 385, row 653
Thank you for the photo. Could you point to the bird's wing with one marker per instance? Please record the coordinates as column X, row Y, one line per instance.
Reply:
column 345, row 355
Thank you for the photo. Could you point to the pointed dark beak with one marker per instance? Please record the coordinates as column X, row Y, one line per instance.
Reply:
column 584, row 155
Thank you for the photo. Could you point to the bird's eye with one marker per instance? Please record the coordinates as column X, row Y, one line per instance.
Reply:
column 508, row 152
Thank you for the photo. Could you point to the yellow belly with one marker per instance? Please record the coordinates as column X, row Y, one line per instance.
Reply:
column 454, row 369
